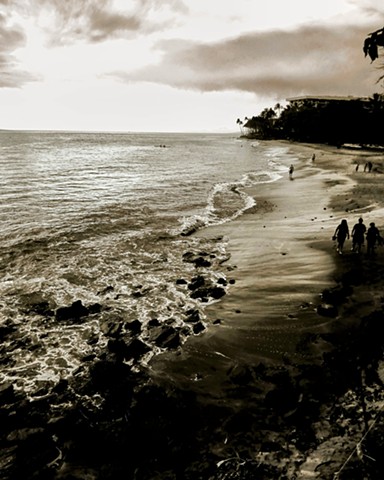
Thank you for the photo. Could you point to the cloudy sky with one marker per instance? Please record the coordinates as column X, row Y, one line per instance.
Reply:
column 176, row 65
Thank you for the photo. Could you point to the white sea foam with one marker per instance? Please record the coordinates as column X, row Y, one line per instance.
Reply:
column 98, row 218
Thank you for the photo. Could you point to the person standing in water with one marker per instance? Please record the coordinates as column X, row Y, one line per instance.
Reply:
column 358, row 231
column 341, row 233
column 291, row 169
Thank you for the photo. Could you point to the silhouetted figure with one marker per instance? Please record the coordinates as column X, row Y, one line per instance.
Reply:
column 368, row 166
column 373, row 237
column 357, row 166
column 313, row 157
column 358, row 231
column 341, row 233
column 291, row 169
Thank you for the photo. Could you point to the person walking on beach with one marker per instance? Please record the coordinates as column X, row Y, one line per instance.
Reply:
column 373, row 237
column 358, row 231
column 341, row 233
column 291, row 169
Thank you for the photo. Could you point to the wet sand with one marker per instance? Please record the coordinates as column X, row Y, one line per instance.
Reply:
column 294, row 382
column 282, row 257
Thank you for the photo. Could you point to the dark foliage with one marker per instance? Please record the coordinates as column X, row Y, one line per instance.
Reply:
column 333, row 121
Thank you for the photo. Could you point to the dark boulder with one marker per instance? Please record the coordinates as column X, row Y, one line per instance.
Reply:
column 196, row 282
column 134, row 326
column 94, row 308
column 193, row 315
column 74, row 312
column 108, row 375
column 217, row 292
column 118, row 347
column 327, row 310
column 7, row 393
column 202, row 262
column 198, row 328
column 136, row 349
column 166, row 337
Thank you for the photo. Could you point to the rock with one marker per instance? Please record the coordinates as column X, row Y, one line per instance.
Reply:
column 193, row 315
column 196, row 282
column 198, row 328
column 6, row 329
column 107, row 375
column 200, row 293
column 118, row 347
column 327, row 310
column 74, row 312
column 94, row 308
column 136, row 349
column 154, row 322
column 134, row 326
column 205, row 292
column 202, row 262
column 61, row 386
column 217, row 292
column 7, row 393
column 166, row 337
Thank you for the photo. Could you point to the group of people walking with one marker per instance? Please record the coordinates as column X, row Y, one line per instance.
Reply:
column 359, row 233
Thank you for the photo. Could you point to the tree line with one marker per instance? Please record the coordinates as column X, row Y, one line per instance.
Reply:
column 335, row 122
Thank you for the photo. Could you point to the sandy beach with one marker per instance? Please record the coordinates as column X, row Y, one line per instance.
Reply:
column 282, row 377
column 282, row 255
column 294, row 324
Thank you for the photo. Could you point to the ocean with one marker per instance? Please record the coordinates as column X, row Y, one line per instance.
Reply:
column 108, row 219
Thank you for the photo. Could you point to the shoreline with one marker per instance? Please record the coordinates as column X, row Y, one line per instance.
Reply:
column 283, row 380
column 303, row 378
column 278, row 272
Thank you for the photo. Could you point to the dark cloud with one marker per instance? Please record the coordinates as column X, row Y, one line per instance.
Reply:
column 95, row 21
column 71, row 21
column 11, row 37
column 312, row 59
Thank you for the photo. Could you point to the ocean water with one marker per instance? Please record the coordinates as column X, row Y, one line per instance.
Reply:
column 107, row 218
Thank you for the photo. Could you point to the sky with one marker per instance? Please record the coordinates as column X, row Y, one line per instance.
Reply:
column 177, row 65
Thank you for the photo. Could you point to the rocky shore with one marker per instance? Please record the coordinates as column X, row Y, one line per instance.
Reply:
column 320, row 418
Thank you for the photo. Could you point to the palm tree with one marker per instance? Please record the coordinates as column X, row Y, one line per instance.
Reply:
column 278, row 107
column 240, row 123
